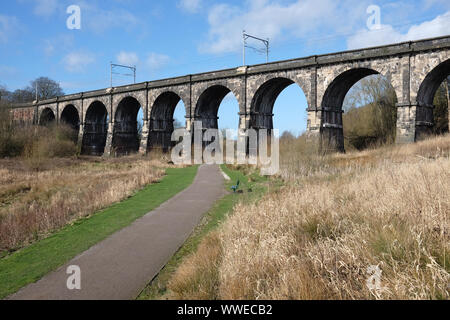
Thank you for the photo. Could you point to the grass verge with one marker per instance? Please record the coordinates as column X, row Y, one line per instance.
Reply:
column 252, row 185
column 30, row 264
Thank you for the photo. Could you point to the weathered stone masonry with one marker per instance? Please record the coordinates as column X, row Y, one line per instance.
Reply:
column 107, row 118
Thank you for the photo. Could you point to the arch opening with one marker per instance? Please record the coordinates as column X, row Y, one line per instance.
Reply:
column 280, row 103
column 70, row 117
column 47, row 117
column 228, row 113
column 208, row 104
column 432, row 115
column 163, row 120
column 215, row 103
column 370, row 113
column 127, row 131
column 375, row 102
column 95, row 130
column 261, row 113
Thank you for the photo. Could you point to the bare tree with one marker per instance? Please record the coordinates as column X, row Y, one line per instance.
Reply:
column 21, row 96
column 5, row 95
column 371, row 89
column 441, row 112
column 46, row 87
column 287, row 135
column 375, row 119
column 3, row 91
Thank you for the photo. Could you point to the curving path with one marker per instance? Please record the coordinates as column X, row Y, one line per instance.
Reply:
column 120, row 266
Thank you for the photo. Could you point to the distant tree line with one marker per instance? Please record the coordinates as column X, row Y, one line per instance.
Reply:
column 46, row 89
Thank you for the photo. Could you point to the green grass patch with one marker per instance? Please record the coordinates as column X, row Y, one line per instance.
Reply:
column 253, row 187
column 32, row 263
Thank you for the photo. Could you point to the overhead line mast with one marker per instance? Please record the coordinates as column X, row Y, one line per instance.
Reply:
column 246, row 36
column 132, row 68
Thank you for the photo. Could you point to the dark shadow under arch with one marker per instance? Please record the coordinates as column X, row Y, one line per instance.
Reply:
column 425, row 98
column 95, row 130
column 261, row 112
column 208, row 104
column 162, row 121
column 70, row 117
column 47, row 117
column 126, row 137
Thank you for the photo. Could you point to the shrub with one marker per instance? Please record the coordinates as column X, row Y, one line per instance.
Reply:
column 11, row 141
column 35, row 142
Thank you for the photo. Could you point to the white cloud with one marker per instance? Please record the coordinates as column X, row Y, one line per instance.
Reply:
column 156, row 61
column 439, row 26
column 191, row 6
column 127, row 58
column 8, row 27
column 277, row 20
column 45, row 8
column 78, row 61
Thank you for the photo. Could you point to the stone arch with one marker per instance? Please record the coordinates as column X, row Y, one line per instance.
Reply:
column 139, row 96
column 301, row 77
column 105, row 100
column 332, row 137
column 425, row 98
column 207, row 106
column 126, row 137
column 236, row 86
column 390, row 69
column 71, row 117
column 263, row 100
column 162, row 119
column 95, row 129
column 47, row 117
column 182, row 91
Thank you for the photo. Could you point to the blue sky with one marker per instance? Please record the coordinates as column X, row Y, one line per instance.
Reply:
column 173, row 38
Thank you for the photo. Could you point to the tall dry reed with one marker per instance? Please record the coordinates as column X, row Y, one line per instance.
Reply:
column 319, row 236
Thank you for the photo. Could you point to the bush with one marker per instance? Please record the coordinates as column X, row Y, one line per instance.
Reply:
column 49, row 142
column 371, row 125
column 371, row 114
column 11, row 144
column 35, row 143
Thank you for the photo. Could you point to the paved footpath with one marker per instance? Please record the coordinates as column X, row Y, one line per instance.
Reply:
column 120, row 266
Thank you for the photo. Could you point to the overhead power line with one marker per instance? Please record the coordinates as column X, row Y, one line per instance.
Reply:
column 266, row 43
column 115, row 66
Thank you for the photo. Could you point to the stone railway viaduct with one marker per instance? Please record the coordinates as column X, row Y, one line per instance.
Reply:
column 107, row 118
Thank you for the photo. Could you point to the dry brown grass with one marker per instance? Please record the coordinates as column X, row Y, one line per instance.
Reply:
column 34, row 203
column 316, row 238
column 198, row 279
